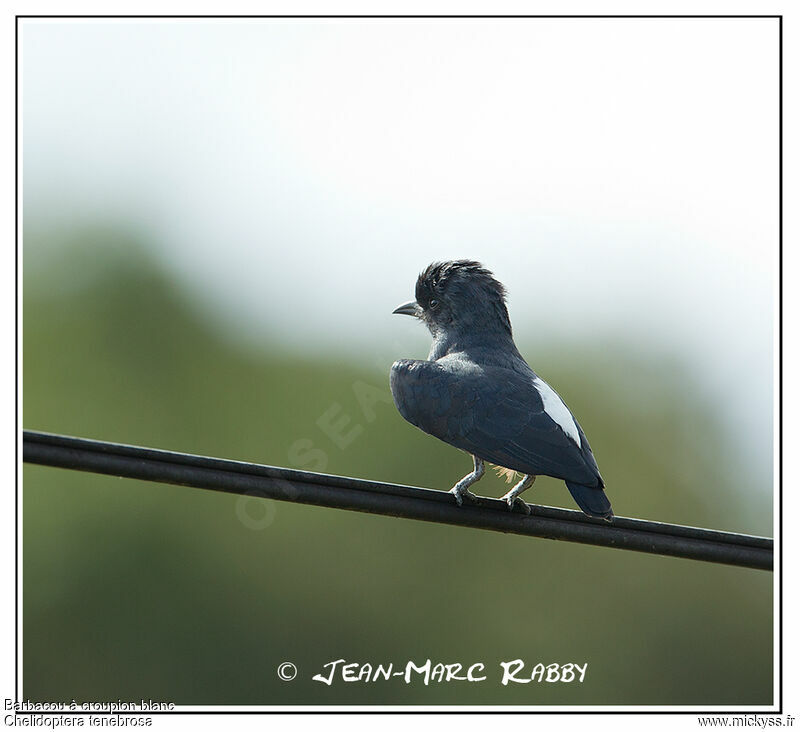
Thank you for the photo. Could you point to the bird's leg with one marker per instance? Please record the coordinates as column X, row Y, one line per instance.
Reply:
column 513, row 495
column 460, row 489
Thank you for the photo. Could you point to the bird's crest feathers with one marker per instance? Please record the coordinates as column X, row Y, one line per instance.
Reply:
column 465, row 278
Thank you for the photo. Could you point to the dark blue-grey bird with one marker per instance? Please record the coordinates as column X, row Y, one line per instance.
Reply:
column 477, row 393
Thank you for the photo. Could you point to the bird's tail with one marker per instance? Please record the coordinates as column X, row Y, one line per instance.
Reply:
column 592, row 500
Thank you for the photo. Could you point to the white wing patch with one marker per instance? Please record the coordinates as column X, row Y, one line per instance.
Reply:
column 557, row 410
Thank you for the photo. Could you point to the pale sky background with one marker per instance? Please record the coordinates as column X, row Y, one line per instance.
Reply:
column 619, row 176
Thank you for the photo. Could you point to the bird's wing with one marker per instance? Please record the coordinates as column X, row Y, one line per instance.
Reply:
column 495, row 413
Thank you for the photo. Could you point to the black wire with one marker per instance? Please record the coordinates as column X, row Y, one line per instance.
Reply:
column 388, row 499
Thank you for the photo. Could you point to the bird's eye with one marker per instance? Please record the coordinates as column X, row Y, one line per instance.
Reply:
column 434, row 304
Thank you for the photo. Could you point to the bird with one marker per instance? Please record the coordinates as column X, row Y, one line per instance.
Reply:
column 477, row 393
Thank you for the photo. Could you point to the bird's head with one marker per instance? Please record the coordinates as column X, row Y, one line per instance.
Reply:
column 456, row 296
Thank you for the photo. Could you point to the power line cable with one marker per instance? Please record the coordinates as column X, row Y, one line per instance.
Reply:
column 388, row 499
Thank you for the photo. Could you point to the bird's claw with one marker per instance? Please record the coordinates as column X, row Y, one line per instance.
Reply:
column 460, row 495
column 525, row 507
column 511, row 500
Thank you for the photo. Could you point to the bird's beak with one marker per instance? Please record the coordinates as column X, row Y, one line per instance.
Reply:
column 408, row 308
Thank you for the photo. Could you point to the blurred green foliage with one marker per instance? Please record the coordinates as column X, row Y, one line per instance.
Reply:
column 136, row 590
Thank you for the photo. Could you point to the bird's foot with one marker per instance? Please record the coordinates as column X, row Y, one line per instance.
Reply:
column 513, row 499
column 461, row 489
column 462, row 494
